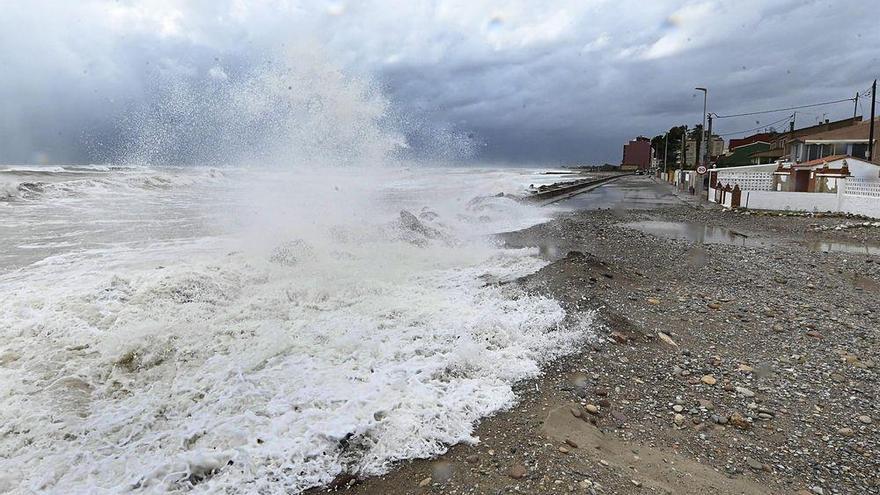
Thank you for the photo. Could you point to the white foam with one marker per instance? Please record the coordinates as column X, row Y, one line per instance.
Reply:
column 206, row 361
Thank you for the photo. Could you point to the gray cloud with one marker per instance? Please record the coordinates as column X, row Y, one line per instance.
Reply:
column 518, row 81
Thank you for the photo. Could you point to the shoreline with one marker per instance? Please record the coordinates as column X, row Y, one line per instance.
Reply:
column 733, row 369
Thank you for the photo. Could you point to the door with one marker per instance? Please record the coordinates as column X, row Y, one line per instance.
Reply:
column 802, row 181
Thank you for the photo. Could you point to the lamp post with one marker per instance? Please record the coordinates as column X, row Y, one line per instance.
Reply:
column 704, row 147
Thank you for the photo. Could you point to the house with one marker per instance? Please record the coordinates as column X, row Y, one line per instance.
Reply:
column 822, row 174
column 743, row 155
column 763, row 137
column 779, row 144
column 637, row 154
column 832, row 184
column 851, row 141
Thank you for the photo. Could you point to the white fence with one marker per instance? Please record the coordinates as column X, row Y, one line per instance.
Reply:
column 747, row 181
column 862, row 188
column 857, row 196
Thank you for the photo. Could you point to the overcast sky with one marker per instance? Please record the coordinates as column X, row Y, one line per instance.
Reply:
column 525, row 81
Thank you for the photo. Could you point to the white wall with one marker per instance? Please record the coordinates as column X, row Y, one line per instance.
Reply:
column 797, row 201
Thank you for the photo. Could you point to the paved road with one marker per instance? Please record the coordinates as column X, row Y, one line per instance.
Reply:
column 633, row 192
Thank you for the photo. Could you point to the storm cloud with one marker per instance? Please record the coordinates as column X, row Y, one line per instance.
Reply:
column 521, row 81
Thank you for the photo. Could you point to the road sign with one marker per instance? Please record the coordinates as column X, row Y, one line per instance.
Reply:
column 701, row 169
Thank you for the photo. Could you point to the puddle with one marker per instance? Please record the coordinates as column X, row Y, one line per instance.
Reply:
column 697, row 233
column 844, row 247
column 709, row 234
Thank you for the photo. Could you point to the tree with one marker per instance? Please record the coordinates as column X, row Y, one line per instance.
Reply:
column 659, row 144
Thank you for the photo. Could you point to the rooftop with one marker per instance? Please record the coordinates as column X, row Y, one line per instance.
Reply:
column 856, row 132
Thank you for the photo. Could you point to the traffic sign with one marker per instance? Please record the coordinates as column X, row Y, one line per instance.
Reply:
column 701, row 169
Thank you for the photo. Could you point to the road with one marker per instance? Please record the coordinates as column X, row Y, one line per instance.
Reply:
column 631, row 192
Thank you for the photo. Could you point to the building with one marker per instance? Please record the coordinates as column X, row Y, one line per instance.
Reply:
column 744, row 154
column 851, row 141
column 637, row 154
column 840, row 184
column 716, row 149
column 779, row 144
column 763, row 137
column 822, row 174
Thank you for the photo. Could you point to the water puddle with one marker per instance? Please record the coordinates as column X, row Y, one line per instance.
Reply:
column 844, row 247
column 697, row 233
column 709, row 234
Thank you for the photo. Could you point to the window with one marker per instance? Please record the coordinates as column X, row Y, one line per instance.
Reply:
column 859, row 150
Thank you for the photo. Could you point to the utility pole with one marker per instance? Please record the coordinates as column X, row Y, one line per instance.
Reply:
column 709, row 143
column 871, row 134
column 665, row 153
column 856, row 105
column 683, row 157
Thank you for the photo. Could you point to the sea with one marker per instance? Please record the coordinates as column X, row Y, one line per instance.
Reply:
column 259, row 329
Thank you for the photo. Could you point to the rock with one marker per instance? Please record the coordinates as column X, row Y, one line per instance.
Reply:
column 571, row 443
column 653, row 300
column 678, row 408
column 847, row 432
column 592, row 408
column 564, row 450
column 517, row 471
column 739, row 421
column 667, row 339
column 744, row 392
column 706, row 404
column 425, row 482
column 746, row 368
column 619, row 417
column 865, row 419
column 752, row 463
column 709, row 380
column 678, row 419
column 718, row 419
column 619, row 337
column 714, row 305
column 814, row 334
column 576, row 412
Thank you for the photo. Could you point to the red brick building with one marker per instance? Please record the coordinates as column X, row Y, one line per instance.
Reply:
column 637, row 154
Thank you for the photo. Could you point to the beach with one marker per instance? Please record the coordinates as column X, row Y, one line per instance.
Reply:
column 742, row 364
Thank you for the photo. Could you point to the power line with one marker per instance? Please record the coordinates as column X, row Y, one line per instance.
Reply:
column 782, row 109
column 763, row 126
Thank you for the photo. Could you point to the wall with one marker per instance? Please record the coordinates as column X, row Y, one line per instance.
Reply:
column 796, row 201
column 861, row 197
column 856, row 196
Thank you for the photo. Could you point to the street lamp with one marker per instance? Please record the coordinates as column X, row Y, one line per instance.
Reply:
column 703, row 144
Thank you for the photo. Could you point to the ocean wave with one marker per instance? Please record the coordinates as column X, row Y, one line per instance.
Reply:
column 271, row 364
column 63, row 182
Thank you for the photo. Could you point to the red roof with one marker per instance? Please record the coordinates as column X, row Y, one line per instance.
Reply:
column 819, row 161
column 765, row 137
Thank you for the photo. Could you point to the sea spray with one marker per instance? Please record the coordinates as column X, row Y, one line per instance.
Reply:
column 267, row 327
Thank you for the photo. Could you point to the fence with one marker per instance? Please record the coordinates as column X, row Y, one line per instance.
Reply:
column 747, row 181
column 857, row 196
